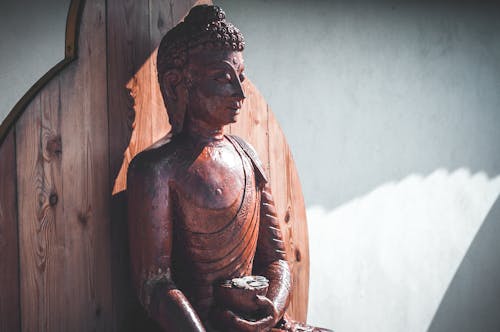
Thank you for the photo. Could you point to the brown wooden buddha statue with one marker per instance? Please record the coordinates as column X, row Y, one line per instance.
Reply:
column 200, row 209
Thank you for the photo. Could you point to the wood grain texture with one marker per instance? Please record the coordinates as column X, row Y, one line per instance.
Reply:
column 63, row 183
column 141, row 106
column 41, row 274
column 9, row 253
column 128, row 50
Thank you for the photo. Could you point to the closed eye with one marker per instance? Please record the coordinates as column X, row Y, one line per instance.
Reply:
column 224, row 78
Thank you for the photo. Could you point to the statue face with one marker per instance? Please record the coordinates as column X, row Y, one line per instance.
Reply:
column 216, row 93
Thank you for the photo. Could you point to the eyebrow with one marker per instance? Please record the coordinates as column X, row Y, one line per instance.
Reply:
column 219, row 65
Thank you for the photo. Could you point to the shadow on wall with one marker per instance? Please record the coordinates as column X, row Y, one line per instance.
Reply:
column 472, row 301
column 392, row 254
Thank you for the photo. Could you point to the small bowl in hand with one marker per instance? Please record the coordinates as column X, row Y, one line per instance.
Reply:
column 238, row 294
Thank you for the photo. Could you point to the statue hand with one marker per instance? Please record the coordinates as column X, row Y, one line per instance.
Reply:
column 267, row 306
column 234, row 322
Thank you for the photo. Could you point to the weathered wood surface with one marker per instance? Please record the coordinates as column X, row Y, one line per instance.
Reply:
column 73, row 145
column 9, row 254
column 63, row 193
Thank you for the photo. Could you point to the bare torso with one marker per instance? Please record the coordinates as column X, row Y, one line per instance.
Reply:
column 215, row 220
column 201, row 212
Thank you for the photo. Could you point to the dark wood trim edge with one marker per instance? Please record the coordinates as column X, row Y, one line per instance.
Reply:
column 70, row 51
column 19, row 313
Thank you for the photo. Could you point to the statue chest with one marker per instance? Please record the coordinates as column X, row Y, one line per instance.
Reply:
column 216, row 222
column 212, row 189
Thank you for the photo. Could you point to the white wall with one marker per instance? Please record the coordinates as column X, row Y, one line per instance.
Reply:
column 392, row 111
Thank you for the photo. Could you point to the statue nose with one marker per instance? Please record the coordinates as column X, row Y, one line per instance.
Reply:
column 239, row 93
column 241, row 96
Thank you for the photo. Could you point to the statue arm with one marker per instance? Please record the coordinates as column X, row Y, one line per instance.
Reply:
column 150, row 233
column 270, row 258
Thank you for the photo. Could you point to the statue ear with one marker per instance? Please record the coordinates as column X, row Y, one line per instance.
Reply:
column 171, row 79
column 175, row 95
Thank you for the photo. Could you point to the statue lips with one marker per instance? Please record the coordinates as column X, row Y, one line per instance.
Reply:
column 235, row 108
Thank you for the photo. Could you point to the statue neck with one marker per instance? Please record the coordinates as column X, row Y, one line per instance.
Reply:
column 201, row 131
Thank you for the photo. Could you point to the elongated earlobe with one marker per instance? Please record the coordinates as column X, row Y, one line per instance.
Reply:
column 171, row 80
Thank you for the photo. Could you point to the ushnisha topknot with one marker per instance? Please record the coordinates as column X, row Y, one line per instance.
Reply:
column 204, row 27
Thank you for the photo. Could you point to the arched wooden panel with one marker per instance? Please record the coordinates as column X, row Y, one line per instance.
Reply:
column 62, row 183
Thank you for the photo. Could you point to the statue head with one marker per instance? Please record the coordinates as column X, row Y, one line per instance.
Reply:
column 199, row 62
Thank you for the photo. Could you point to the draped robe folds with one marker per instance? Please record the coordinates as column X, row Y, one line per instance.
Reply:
column 219, row 212
column 211, row 245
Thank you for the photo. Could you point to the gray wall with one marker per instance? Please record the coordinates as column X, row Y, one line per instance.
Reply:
column 31, row 42
column 392, row 111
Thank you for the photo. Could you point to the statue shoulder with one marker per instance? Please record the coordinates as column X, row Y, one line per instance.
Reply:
column 153, row 162
column 254, row 157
